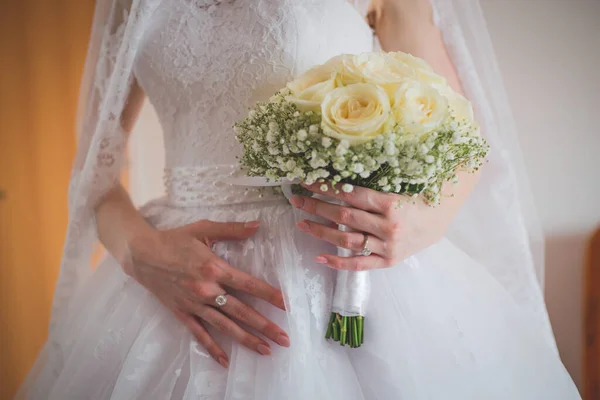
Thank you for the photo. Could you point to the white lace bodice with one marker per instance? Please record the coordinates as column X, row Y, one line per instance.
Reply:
column 202, row 63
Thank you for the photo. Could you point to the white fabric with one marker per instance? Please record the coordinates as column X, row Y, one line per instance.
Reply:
column 464, row 319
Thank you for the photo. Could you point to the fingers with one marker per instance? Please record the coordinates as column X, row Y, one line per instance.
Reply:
column 352, row 217
column 227, row 327
column 354, row 241
column 362, row 198
column 239, row 280
column 356, row 263
column 247, row 315
column 204, row 338
column 223, row 230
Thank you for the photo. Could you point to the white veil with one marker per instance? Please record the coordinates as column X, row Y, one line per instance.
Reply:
column 497, row 226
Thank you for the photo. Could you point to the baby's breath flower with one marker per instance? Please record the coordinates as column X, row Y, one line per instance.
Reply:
column 357, row 168
column 273, row 126
column 347, row 188
column 301, row 135
column 326, row 142
column 340, row 150
column 323, row 188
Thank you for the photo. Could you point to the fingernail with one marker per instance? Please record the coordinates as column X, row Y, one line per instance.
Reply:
column 281, row 302
column 321, row 260
column 264, row 350
column 223, row 361
column 297, row 201
column 303, row 226
column 283, row 340
column 252, row 224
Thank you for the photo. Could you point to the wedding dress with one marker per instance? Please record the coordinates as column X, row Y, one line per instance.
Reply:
column 463, row 319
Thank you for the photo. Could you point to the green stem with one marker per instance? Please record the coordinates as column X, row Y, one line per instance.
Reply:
column 355, row 332
column 351, row 322
column 330, row 326
column 344, row 331
column 360, row 330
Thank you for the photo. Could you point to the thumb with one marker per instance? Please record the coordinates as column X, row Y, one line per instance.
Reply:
column 223, row 230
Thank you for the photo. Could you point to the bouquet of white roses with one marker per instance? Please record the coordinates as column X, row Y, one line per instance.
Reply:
column 379, row 120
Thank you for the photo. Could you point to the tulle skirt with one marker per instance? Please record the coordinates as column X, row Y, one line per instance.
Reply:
column 438, row 327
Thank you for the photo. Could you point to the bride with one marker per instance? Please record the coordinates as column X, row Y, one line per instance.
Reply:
column 214, row 292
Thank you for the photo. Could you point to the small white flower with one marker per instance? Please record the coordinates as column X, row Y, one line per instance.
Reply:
column 273, row 126
column 313, row 129
column 302, row 134
column 357, row 168
column 326, row 142
column 430, row 171
column 252, row 114
column 345, row 174
column 429, row 159
column 297, row 114
column 423, row 149
column 386, row 188
column 323, row 188
column 365, row 174
column 347, row 188
column 290, row 165
column 390, row 149
column 456, row 137
column 383, row 181
column 340, row 150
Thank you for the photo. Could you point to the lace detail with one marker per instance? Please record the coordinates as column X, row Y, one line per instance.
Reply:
column 214, row 59
column 208, row 186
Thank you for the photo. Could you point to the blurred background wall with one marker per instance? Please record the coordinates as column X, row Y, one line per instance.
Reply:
column 548, row 51
column 42, row 51
column 549, row 54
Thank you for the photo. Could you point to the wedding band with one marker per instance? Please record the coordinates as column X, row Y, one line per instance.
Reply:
column 365, row 250
column 221, row 300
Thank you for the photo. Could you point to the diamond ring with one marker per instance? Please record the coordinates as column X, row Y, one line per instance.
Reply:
column 221, row 300
column 365, row 250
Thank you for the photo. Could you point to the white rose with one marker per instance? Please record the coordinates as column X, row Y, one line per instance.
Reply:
column 419, row 107
column 356, row 113
column 378, row 68
column 309, row 89
column 422, row 70
column 460, row 108
column 381, row 69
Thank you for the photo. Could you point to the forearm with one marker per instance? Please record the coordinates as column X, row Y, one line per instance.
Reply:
column 118, row 221
column 407, row 26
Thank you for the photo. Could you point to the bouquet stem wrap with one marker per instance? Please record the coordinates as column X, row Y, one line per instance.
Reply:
column 350, row 297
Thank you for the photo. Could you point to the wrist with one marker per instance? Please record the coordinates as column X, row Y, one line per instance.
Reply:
column 137, row 239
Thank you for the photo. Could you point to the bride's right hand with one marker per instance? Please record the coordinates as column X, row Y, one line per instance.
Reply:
column 180, row 269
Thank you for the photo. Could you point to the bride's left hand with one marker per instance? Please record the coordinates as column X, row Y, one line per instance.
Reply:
column 397, row 226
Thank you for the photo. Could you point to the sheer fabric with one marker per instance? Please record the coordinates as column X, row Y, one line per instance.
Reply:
column 464, row 319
